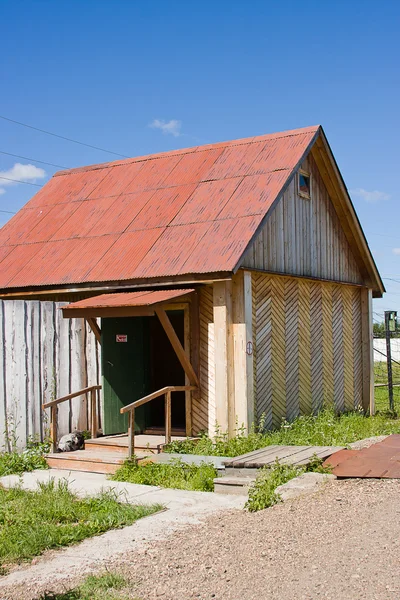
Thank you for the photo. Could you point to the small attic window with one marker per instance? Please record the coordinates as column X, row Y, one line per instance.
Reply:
column 304, row 184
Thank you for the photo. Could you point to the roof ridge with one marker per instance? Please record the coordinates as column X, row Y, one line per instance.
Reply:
column 189, row 150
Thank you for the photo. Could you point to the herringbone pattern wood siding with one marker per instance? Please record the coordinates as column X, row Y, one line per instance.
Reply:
column 203, row 408
column 307, row 347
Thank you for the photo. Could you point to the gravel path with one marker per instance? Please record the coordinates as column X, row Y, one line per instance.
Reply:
column 343, row 543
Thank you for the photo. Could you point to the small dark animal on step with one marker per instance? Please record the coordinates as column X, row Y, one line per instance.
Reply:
column 71, row 441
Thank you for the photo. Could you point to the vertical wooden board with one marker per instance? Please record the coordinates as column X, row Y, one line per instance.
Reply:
column 317, row 349
column 264, row 350
column 249, row 338
column 338, row 347
column 33, row 368
column 305, row 398
column 16, row 371
column 63, row 369
column 254, row 279
column 291, row 335
column 368, row 401
column 203, row 407
column 328, row 366
column 3, row 381
column 49, row 343
column 348, row 348
column 357, row 346
column 222, row 312
column 278, row 350
column 239, row 350
column 77, row 374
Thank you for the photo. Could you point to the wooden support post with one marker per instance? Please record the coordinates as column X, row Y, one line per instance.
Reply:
column 94, row 327
column 243, row 349
column 224, row 364
column 177, row 346
column 168, row 417
column 131, row 434
column 53, row 427
column 93, row 413
column 368, row 400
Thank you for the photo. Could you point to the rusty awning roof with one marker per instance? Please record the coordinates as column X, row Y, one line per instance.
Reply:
column 122, row 304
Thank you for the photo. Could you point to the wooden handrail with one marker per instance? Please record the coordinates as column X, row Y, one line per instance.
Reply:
column 70, row 396
column 53, row 405
column 157, row 394
column 130, row 408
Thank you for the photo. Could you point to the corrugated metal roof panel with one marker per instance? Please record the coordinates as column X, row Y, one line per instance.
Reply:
column 235, row 161
column 88, row 213
column 162, row 207
column 152, row 174
column 123, row 211
column 191, row 210
column 219, row 249
column 127, row 299
column 180, row 241
column 49, row 227
column 281, row 153
column 116, row 181
column 123, row 258
column 254, row 195
column 207, row 201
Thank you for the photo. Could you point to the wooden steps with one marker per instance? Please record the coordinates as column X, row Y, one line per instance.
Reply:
column 86, row 460
column 106, row 454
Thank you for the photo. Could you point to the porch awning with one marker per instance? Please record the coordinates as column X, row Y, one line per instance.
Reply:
column 123, row 304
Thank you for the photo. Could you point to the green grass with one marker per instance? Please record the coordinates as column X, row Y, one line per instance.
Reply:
column 382, row 394
column 176, row 474
column 108, row 586
column 19, row 462
column 324, row 429
column 262, row 493
column 52, row 517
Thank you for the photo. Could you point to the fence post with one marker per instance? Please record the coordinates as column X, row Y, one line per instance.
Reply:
column 388, row 316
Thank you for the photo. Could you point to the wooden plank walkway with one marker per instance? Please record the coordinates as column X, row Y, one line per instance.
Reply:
column 287, row 455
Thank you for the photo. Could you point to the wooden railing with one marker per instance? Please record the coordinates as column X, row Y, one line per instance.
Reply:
column 130, row 408
column 53, row 405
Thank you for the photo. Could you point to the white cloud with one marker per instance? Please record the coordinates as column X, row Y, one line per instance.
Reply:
column 371, row 197
column 396, row 250
column 20, row 172
column 172, row 127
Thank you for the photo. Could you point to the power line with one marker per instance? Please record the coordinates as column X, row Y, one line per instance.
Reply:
column 19, row 181
column 9, row 212
column 62, row 137
column 42, row 162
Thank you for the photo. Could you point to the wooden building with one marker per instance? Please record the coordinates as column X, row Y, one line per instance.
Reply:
column 236, row 272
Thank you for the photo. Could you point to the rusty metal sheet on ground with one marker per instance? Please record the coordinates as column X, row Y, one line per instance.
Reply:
column 380, row 461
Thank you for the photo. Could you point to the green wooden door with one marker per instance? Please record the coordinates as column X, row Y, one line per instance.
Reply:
column 125, row 367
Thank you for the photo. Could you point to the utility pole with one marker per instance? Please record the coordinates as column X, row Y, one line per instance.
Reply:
column 390, row 326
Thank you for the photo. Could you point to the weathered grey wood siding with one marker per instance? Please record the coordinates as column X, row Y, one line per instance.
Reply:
column 304, row 236
column 42, row 357
column 308, row 347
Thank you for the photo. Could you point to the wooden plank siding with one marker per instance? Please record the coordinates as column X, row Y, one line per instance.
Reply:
column 308, row 346
column 42, row 357
column 304, row 236
column 204, row 407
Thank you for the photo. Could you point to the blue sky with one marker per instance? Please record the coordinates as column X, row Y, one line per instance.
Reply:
column 102, row 72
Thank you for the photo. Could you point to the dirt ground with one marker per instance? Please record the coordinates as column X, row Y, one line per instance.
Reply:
column 343, row 543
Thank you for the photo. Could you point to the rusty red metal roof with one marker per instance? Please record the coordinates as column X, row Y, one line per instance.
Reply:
column 127, row 299
column 189, row 211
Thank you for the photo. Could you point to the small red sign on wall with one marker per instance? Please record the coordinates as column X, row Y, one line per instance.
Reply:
column 121, row 337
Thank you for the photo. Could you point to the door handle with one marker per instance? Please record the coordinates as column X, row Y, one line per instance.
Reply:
column 110, row 363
